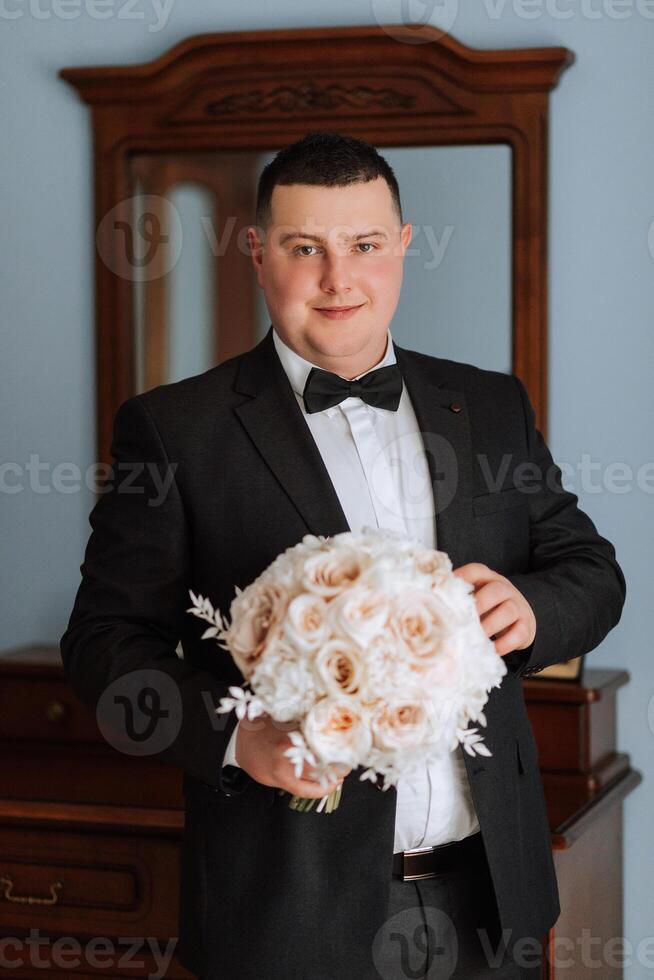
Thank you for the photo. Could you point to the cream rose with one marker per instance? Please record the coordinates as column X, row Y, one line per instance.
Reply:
column 400, row 725
column 435, row 564
column 421, row 622
column 360, row 613
column 328, row 573
column 339, row 666
column 256, row 617
column 337, row 730
column 306, row 625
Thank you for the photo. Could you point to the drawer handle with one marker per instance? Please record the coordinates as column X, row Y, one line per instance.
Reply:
column 55, row 711
column 31, row 899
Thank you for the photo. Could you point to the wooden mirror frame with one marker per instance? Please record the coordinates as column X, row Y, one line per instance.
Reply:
column 258, row 90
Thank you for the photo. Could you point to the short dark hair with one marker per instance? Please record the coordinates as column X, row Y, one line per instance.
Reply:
column 324, row 159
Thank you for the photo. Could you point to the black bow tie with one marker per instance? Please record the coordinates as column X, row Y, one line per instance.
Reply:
column 381, row 388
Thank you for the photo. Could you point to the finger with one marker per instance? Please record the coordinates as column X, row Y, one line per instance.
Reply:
column 341, row 770
column 474, row 572
column 307, row 772
column 338, row 769
column 510, row 641
column 502, row 617
column 311, row 788
column 490, row 595
column 332, row 776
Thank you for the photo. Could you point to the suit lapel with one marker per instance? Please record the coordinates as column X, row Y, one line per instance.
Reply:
column 276, row 425
column 446, row 437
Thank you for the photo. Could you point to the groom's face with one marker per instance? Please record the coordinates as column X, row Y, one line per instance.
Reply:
column 330, row 247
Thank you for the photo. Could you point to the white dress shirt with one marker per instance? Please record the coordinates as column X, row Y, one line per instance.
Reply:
column 376, row 461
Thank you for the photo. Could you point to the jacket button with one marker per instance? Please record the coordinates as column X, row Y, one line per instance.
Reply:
column 455, row 407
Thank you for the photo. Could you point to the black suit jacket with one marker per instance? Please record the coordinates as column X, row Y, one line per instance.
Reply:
column 268, row 892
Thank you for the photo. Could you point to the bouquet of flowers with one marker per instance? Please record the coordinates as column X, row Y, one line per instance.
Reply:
column 367, row 642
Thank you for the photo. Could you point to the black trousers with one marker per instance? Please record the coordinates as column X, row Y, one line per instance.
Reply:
column 448, row 928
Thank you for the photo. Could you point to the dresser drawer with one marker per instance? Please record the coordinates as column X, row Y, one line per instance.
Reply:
column 44, row 708
column 77, row 883
column 70, row 772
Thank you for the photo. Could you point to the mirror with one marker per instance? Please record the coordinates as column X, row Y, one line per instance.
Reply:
column 202, row 298
column 180, row 142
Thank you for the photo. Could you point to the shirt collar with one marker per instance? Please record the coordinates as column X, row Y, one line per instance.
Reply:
column 297, row 368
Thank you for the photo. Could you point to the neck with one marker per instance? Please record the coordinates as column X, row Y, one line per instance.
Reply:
column 346, row 367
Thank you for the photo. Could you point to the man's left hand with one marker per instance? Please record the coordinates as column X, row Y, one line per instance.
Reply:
column 505, row 614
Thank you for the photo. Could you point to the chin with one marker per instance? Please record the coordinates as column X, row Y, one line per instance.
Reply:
column 359, row 326
column 339, row 342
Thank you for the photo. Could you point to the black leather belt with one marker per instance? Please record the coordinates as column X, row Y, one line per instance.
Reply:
column 421, row 862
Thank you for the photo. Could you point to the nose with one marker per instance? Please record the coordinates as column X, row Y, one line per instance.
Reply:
column 336, row 276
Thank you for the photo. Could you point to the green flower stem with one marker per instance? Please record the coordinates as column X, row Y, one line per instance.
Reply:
column 304, row 803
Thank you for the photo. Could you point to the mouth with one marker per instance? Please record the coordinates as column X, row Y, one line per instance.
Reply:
column 339, row 308
column 337, row 312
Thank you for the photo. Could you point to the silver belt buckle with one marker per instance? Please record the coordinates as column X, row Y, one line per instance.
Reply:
column 415, row 850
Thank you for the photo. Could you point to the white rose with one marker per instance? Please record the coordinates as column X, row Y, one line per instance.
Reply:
column 337, row 730
column 388, row 668
column 285, row 683
column 282, row 572
column 388, row 574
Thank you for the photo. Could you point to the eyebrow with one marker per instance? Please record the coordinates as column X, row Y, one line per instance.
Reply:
column 289, row 236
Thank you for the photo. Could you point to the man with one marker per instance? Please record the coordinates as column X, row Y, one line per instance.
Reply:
column 300, row 435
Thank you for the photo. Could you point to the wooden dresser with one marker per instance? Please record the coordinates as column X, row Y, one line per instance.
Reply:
column 90, row 839
column 586, row 781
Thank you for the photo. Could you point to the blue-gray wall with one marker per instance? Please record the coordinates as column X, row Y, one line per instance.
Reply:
column 601, row 299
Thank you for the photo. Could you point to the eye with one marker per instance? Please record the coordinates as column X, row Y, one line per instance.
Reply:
column 367, row 245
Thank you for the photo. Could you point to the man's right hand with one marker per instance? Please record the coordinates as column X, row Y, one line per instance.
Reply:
column 260, row 746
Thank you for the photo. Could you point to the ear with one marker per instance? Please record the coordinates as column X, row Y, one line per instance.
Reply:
column 255, row 245
column 405, row 235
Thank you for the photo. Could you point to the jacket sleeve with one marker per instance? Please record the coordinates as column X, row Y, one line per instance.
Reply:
column 573, row 583
column 119, row 650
